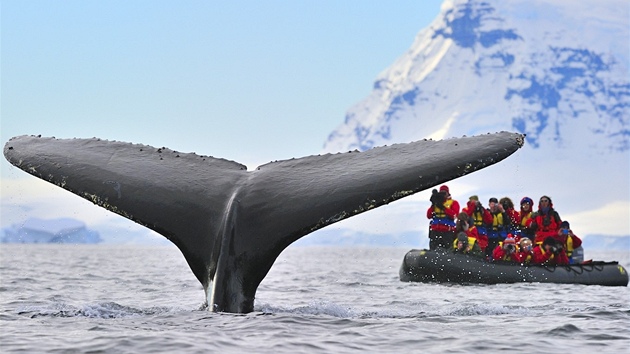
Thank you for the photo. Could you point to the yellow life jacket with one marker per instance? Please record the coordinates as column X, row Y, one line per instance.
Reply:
column 569, row 246
column 542, row 251
column 497, row 221
column 439, row 212
column 471, row 242
column 524, row 219
column 477, row 218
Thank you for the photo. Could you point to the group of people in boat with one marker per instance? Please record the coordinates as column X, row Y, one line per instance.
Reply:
column 500, row 232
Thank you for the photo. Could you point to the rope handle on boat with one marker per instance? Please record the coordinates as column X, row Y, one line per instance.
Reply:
column 594, row 266
column 589, row 267
column 581, row 269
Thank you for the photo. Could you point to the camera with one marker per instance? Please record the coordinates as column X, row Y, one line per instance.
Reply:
column 556, row 250
column 565, row 231
column 438, row 198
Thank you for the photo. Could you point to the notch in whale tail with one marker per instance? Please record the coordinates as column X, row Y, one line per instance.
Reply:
column 231, row 224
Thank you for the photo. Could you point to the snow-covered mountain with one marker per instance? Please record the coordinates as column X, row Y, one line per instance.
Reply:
column 73, row 231
column 557, row 70
column 35, row 230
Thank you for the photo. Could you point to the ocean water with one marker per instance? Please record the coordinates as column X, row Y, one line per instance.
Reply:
column 131, row 299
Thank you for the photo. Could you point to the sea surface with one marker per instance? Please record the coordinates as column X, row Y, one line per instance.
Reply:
column 145, row 299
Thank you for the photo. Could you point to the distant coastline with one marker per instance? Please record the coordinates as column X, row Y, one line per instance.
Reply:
column 72, row 231
column 64, row 230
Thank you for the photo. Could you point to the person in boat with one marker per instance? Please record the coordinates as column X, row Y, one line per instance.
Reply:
column 479, row 217
column 497, row 231
column 550, row 252
column 463, row 225
column 525, row 219
column 568, row 239
column 506, row 251
column 546, row 221
column 442, row 213
column 464, row 244
column 525, row 252
column 508, row 207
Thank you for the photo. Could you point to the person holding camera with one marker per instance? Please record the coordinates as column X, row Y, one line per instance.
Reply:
column 525, row 219
column 463, row 225
column 478, row 216
column 512, row 214
column 506, row 251
column 442, row 213
column 550, row 252
column 497, row 231
column 465, row 244
column 546, row 221
column 568, row 239
column 525, row 252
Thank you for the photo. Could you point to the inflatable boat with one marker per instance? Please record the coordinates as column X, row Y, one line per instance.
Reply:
column 446, row 267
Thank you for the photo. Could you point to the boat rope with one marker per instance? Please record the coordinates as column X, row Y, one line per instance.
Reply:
column 595, row 266
column 581, row 267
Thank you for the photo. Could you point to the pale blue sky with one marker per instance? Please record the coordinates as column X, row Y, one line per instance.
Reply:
column 251, row 81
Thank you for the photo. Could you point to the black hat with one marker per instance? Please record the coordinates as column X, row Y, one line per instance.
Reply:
column 564, row 225
column 493, row 200
column 549, row 241
column 462, row 237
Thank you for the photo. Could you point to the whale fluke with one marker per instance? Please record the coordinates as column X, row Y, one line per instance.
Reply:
column 230, row 223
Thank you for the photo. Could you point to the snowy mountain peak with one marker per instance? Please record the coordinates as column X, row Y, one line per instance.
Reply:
column 463, row 24
column 544, row 68
column 556, row 70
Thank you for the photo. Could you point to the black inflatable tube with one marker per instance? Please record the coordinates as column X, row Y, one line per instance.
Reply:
column 447, row 267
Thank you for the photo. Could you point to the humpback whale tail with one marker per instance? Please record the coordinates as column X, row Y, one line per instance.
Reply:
column 230, row 223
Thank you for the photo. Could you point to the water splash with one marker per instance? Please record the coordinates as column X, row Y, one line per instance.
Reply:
column 99, row 310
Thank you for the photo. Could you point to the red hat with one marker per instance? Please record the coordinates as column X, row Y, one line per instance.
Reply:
column 509, row 239
column 444, row 188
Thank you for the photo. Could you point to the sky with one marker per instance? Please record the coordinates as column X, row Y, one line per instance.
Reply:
column 249, row 81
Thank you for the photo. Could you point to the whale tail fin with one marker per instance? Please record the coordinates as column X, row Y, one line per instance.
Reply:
column 180, row 196
column 231, row 224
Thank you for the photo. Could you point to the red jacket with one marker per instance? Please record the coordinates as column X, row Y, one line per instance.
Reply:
column 569, row 242
column 543, row 257
column 482, row 240
column 564, row 241
column 524, row 219
column 545, row 224
column 480, row 219
column 524, row 224
column 513, row 215
column 443, row 219
column 524, row 257
column 498, row 254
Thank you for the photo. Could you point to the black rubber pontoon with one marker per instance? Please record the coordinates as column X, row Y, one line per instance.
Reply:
column 447, row 267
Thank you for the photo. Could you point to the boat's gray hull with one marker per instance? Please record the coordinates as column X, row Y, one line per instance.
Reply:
column 447, row 267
